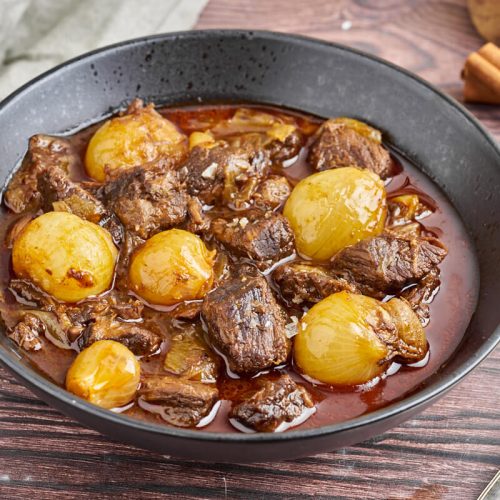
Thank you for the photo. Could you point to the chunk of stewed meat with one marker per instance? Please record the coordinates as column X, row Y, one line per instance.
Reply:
column 70, row 318
column 197, row 221
column 44, row 152
column 420, row 295
column 303, row 282
column 404, row 209
column 123, row 305
column 147, row 199
column 131, row 241
column 186, row 310
column 409, row 231
column 74, row 318
column 26, row 334
column 179, row 402
column 272, row 193
column 140, row 340
column 289, row 148
column 25, row 291
column 60, row 193
column 385, row 264
column 276, row 403
column 337, row 145
column 120, row 304
column 246, row 324
column 225, row 174
column 264, row 237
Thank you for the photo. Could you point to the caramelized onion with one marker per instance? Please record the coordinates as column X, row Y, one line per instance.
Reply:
column 107, row 374
column 335, row 208
column 171, row 267
column 349, row 339
column 68, row 257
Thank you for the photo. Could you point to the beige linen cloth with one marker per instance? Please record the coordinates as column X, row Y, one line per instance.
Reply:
column 36, row 35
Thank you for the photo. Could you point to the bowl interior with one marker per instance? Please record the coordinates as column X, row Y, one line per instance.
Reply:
column 315, row 77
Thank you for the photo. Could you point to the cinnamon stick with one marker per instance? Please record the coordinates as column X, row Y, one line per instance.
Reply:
column 481, row 75
column 491, row 53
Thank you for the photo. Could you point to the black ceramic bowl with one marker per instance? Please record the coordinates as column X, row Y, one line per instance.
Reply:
column 316, row 77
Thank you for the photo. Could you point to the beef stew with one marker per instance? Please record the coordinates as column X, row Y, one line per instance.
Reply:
column 212, row 289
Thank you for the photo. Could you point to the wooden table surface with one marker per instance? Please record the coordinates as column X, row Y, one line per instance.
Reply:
column 450, row 451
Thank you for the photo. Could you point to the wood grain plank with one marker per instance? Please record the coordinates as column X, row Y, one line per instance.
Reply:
column 429, row 37
column 450, row 451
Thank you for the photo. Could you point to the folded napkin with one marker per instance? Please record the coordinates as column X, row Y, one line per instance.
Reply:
column 35, row 35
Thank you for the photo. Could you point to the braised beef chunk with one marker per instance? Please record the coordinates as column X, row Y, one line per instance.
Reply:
column 272, row 193
column 70, row 319
column 276, row 402
column 265, row 237
column 303, row 282
column 420, row 295
column 187, row 310
column 114, row 304
column 409, row 231
column 385, row 264
column 282, row 150
column 147, row 199
column 120, row 304
column 204, row 171
column 26, row 334
column 74, row 318
column 123, row 306
column 224, row 173
column 43, row 151
column 130, row 242
column 140, row 340
column 180, row 402
column 338, row 145
column 404, row 209
column 246, row 324
column 25, row 291
column 60, row 193
column 197, row 221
